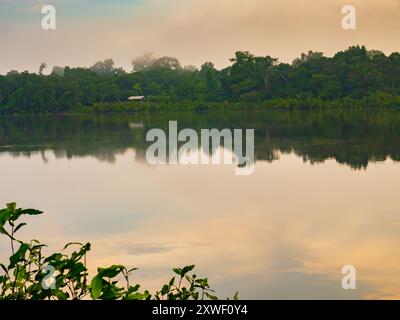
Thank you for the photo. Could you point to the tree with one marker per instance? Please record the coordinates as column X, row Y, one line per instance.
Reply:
column 211, row 77
column 168, row 63
column 105, row 68
column 353, row 74
column 190, row 68
column 311, row 55
column 59, row 71
column 143, row 62
column 42, row 67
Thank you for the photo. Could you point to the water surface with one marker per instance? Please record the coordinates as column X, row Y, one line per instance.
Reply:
column 324, row 194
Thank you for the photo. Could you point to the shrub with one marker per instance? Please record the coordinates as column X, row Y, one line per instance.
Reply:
column 30, row 275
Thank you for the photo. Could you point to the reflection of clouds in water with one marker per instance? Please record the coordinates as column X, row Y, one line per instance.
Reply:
column 300, row 285
column 147, row 248
column 143, row 248
column 284, row 232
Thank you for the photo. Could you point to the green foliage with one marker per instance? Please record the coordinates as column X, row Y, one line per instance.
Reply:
column 195, row 288
column 30, row 275
column 311, row 80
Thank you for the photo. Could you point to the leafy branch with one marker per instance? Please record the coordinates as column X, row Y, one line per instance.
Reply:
column 30, row 275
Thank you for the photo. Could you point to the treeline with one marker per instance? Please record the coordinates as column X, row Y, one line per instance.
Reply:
column 354, row 77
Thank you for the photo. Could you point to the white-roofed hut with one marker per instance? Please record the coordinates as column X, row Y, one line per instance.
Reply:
column 137, row 98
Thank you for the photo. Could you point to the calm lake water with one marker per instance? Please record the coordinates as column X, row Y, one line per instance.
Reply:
column 324, row 194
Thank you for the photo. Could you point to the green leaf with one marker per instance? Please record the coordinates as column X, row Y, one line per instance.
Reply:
column 3, row 267
column 61, row 295
column 19, row 255
column 133, row 288
column 96, row 287
column 77, row 269
column 37, row 246
column 138, row 296
column 187, row 269
column 11, row 206
column 31, row 212
column 165, row 290
column 72, row 243
column 110, row 272
column 19, row 226
column 5, row 216
column 178, row 271
column 111, row 292
column 55, row 257
column 210, row 296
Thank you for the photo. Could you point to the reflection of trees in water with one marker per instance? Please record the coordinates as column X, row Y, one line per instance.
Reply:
column 354, row 138
column 68, row 136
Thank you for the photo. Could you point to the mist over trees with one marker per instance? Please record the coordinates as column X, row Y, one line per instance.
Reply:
column 355, row 73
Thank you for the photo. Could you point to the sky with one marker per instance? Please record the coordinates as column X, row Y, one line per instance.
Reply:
column 194, row 31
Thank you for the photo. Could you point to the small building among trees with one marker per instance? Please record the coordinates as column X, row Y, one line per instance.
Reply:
column 137, row 98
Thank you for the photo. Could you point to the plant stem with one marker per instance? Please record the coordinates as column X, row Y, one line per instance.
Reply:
column 12, row 241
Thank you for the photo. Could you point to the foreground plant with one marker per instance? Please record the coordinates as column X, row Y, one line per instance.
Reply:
column 61, row 276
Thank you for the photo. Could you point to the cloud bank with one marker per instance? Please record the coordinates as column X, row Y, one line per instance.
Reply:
column 194, row 31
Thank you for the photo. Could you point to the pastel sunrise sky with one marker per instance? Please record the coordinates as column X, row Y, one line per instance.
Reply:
column 194, row 31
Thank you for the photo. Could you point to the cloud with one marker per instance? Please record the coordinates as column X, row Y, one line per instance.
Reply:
column 195, row 31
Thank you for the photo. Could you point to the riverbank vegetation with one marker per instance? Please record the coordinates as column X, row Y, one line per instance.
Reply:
column 32, row 275
column 354, row 78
